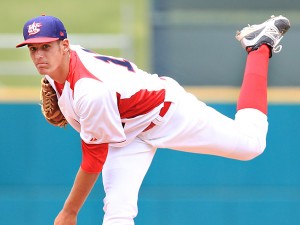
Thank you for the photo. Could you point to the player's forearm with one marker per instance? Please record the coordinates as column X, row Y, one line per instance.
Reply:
column 82, row 186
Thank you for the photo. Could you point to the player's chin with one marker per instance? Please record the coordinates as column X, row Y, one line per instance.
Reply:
column 42, row 70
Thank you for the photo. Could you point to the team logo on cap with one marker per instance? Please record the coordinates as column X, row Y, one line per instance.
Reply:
column 34, row 28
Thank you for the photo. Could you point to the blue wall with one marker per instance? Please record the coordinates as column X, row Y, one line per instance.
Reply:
column 39, row 161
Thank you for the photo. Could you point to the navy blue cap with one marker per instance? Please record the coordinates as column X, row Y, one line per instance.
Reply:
column 43, row 29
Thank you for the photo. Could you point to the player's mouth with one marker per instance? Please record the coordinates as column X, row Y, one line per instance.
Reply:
column 41, row 65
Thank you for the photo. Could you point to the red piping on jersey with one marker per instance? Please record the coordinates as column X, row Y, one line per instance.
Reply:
column 77, row 70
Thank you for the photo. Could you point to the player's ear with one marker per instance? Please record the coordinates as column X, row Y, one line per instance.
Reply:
column 66, row 45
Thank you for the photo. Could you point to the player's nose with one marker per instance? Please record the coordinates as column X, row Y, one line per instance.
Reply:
column 38, row 54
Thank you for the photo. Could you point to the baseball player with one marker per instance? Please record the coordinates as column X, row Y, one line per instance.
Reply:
column 124, row 114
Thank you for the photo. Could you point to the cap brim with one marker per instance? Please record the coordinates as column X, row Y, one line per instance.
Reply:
column 36, row 41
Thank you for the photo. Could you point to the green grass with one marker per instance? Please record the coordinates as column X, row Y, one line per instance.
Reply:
column 90, row 16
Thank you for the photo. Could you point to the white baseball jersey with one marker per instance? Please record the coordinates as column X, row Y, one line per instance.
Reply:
column 108, row 99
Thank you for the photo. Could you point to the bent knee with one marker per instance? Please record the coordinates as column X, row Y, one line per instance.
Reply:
column 251, row 154
column 250, row 151
column 119, row 210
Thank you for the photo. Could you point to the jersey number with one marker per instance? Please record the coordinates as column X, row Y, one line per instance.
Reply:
column 119, row 62
column 116, row 61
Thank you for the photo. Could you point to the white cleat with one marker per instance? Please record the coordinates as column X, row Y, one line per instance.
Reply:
column 269, row 32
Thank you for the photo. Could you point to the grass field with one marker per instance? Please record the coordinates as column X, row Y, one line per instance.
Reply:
column 90, row 16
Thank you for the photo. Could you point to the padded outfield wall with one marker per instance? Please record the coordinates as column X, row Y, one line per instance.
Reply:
column 39, row 161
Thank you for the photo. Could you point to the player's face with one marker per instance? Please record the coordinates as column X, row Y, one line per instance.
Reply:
column 48, row 58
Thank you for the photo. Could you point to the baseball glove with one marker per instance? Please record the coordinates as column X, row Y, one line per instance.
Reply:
column 49, row 105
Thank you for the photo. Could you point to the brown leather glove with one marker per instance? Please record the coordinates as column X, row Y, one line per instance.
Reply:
column 49, row 105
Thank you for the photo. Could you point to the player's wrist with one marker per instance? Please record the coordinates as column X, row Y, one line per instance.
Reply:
column 70, row 209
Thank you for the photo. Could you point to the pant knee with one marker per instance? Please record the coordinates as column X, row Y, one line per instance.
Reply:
column 253, row 125
column 119, row 210
column 251, row 150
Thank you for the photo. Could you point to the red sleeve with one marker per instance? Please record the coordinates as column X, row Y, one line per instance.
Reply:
column 93, row 157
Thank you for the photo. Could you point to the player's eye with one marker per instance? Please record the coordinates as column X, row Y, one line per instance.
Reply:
column 32, row 49
column 46, row 46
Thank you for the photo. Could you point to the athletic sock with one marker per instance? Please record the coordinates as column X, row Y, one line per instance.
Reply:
column 253, row 93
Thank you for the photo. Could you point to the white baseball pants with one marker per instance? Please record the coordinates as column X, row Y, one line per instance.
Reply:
column 190, row 125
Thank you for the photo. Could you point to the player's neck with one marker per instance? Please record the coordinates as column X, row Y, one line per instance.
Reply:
column 61, row 73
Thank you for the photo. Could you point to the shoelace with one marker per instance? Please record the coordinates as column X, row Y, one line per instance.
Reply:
column 277, row 48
